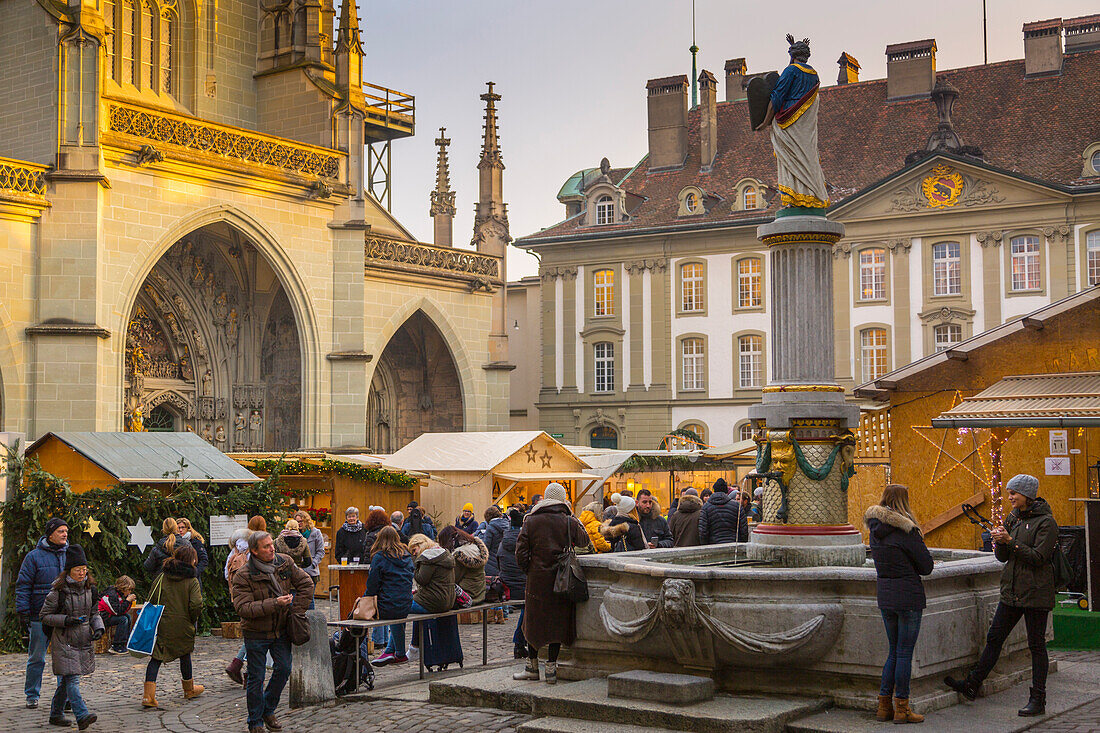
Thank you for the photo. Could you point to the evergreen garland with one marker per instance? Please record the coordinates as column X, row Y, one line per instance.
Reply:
column 36, row 495
column 373, row 474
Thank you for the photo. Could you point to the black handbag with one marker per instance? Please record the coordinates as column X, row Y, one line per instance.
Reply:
column 569, row 579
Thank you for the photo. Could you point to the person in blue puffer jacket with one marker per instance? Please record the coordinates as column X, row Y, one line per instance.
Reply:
column 40, row 568
column 391, row 579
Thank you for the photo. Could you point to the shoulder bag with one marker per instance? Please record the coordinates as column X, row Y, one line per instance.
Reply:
column 569, row 579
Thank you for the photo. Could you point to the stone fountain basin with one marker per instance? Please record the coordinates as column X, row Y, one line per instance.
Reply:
column 759, row 628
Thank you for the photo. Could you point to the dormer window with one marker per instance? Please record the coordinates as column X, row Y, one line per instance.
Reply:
column 749, row 198
column 750, row 195
column 694, row 201
column 691, row 203
column 605, row 210
column 1095, row 161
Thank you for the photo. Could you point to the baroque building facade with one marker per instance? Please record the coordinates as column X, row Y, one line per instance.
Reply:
column 194, row 211
column 967, row 201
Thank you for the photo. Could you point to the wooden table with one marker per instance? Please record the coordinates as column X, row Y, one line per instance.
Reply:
column 352, row 582
column 1092, row 551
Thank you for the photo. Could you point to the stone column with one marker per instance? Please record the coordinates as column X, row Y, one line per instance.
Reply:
column 804, row 425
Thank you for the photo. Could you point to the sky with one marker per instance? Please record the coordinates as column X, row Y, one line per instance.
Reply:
column 572, row 77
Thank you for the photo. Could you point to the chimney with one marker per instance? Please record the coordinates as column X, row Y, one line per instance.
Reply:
column 667, row 103
column 1082, row 34
column 849, row 69
column 1043, row 47
column 708, row 119
column 910, row 69
column 735, row 75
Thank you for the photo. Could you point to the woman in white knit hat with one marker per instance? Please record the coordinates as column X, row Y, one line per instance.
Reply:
column 624, row 530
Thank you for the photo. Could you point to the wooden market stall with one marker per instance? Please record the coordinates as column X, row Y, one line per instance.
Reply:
column 488, row 468
column 325, row 484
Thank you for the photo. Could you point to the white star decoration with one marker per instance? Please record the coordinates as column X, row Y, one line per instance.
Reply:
column 140, row 535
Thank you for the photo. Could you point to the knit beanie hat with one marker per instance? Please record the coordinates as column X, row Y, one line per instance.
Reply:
column 720, row 486
column 468, row 507
column 555, row 491
column 74, row 557
column 758, row 493
column 54, row 524
column 623, row 504
column 690, row 491
column 1025, row 484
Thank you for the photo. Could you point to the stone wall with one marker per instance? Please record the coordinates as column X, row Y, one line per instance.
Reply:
column 28, row 86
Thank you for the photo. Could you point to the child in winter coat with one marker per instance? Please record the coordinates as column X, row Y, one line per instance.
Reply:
column 70, row 609
column 114, row 608
column 182, row 600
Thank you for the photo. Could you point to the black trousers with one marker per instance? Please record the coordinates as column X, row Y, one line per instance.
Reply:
column 1004, row 620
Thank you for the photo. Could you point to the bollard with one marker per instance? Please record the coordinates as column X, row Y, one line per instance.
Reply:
column 311, row 667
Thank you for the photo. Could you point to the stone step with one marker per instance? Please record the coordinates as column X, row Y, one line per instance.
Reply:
column 573, row 725
column 675, row 689
column 588, row 700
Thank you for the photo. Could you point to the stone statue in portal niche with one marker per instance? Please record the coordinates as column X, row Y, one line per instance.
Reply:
column 219, row 437
column 256, row 428
column 207, row 384
column 792, row 115
column 240, row 424
column 206, row 434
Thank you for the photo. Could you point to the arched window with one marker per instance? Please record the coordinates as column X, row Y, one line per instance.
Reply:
column 604, row 286
column 872, row 274
column 604, row 356
column 749, row 198
column 109, row 37
column 1093, row 255
column 946, row 269
column 1095, row 160
column 693, row 364
column 873, row 354
column 1025, row 263
column 605, row 210
column 129, row 41
column 691, row 286
column 698, row 429
column 691, row 202
column 750, row 367
column 603, row 436
column 147, row 45
column 947, row 335
column 748, row 283
column 745, row 432
column 160, row 420
column 167, row 36
column 143, row 43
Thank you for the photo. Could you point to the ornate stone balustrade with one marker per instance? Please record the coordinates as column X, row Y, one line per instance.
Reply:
column 480, row 270
column 230, row 143
column 20, row 177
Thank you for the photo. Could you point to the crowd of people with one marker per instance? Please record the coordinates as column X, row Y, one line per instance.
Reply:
column 415, row 569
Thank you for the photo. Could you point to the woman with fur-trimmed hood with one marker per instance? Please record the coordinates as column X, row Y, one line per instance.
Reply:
column 590, row 518
column 684, row 524
column 901, row 557
column 470, row 556
column 624, row 531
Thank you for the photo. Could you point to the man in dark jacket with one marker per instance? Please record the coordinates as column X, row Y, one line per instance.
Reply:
column 418, row 522
column 684, row 524
column 722, row 519
column 265, row 591
column 1026, row 544
column 40, row 568
column 654, row 526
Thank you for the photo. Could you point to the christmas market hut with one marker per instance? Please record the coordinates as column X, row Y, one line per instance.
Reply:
column 103, row 460
column 325, row 484
column 489, row 468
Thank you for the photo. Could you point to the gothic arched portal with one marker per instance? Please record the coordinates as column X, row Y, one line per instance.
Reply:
column 213, row 340
column 415, row 388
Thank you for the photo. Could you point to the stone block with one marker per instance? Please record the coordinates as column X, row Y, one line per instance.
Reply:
column 676, row 689
column 311, row 666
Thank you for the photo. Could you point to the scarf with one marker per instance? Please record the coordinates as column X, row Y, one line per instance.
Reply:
column 258, row 567
column 306, row 531
column 349, row 527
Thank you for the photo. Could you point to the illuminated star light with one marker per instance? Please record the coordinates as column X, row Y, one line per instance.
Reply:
column 140, row 535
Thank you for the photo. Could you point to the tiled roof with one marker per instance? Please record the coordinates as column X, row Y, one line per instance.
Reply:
column 1036, row 127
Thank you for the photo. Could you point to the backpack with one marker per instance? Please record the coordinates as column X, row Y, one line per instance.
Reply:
column 1063, row 571
column 495, row 590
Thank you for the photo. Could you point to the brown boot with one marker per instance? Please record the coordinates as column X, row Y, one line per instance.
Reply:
column 149, row 699
column 885, row 708
column 902, row 713
column 234, row 671
column 190, row 689
column 271, row 722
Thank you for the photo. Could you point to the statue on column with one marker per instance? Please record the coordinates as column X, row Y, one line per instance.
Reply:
column 791, row 113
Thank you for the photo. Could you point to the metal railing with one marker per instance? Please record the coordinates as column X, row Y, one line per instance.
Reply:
column 392, row 110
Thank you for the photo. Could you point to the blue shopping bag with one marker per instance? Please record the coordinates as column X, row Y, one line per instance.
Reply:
column 144, row 635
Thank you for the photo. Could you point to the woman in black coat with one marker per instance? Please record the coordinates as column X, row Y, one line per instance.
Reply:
column 624, row 530
column 901, row 557
column 351, row 538
column 512, row 575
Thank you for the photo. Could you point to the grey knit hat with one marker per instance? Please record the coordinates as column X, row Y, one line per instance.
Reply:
column 555, row 491
column 1024, row 484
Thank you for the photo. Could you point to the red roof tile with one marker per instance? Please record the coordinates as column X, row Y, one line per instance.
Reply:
column 1038, row 127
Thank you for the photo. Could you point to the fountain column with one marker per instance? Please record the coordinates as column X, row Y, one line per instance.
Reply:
column 806, row 446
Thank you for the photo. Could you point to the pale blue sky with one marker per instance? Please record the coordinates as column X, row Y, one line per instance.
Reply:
column 572, row 75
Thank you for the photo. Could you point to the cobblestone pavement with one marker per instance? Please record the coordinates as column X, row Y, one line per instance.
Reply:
column 114, row 691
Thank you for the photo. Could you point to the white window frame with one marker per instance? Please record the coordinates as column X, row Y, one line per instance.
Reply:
column 750, row 284
column 691, row 202
column 1094, row 159
column 1092, row 256
column 946, row 268
column 605, row 210
column 872, row 274
column 693, row 364
column 750, row 191
column 745, row 432
column 603, row 359
column 603, row 293
column 750, row 361
column 874, row 355
column 691, row 287
column 946, row 336
column 1026, row 264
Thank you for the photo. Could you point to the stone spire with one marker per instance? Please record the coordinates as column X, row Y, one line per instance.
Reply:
column 491, row 214
column 349, row 51
column 443, row 198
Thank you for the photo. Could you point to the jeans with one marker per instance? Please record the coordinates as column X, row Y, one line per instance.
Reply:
column 1004, row 620
column 263, row 702
column 68, row 688
column 122, row 633
column 518, row 639
column 313, row 594
column 416, row 608
column 36, row 660
column 902, row 628
column 396, row 643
